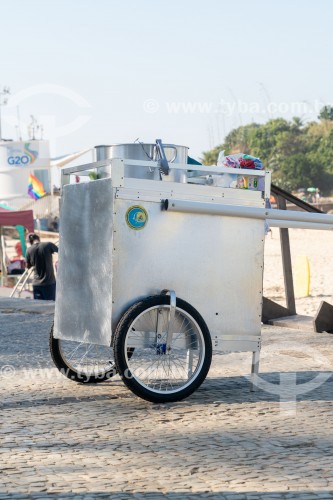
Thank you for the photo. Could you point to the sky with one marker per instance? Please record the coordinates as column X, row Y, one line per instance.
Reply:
column 112, row 71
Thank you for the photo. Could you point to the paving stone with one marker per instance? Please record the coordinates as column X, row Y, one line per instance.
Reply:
column 64, row 440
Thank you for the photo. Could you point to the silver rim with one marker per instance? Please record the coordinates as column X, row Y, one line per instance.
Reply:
column 87, row 359
column 150, row 364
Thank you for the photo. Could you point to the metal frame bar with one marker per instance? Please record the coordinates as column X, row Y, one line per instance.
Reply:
column 66, row 172
column 189, row 363
column 212, row 169
column 171, row 318
column 268, row 179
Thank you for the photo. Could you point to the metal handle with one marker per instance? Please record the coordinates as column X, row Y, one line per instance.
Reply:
column 163, row 161
column 171, row 146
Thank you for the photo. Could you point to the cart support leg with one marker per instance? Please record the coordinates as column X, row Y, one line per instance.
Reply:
column 172, row 313
column 254, row 369
column 189, row 363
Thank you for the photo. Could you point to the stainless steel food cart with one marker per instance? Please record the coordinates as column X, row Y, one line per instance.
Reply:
column 158, row 267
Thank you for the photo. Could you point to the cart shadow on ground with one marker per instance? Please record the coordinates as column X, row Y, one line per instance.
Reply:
column 270, row 387
column 301, row 386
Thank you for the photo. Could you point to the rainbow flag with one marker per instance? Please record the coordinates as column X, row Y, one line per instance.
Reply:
column 35, row 188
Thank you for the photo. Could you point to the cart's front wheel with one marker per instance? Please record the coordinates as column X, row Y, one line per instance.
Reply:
column 170, row 358
column 81, row 362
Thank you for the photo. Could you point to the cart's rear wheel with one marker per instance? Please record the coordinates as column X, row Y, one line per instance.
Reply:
column 85, row 363
column 152, row 372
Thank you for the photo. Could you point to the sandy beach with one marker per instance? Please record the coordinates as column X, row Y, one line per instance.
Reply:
column 318, row 247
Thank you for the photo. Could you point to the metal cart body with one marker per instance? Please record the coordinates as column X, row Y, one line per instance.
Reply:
column 121, row 241
column 213, row 262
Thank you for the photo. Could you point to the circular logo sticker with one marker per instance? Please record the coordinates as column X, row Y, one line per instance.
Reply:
column 136, row 217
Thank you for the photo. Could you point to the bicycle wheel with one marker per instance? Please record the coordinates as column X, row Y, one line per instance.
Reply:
column 85, row 363
column 153, row 372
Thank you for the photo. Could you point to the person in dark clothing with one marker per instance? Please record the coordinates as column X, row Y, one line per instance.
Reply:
column 39, row 256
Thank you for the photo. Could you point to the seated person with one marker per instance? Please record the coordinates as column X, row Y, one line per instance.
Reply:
column 16, row 266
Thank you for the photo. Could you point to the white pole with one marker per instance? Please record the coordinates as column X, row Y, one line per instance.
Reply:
column 247, row 212
column 299, row 225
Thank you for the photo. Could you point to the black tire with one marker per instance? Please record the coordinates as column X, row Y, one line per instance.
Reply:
column 137, row 332
column 101, row 365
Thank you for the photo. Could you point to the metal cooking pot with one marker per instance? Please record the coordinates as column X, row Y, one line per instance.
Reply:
column 143, row 152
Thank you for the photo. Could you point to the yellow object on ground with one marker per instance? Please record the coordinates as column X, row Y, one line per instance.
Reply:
column 301, row 273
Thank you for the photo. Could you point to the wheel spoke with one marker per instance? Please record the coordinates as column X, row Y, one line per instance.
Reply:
column 87, row 359
column 150, row 365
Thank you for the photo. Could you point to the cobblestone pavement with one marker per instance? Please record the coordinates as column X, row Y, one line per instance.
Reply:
column 63, row 440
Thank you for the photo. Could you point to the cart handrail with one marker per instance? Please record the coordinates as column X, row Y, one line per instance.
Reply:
column 204, row 169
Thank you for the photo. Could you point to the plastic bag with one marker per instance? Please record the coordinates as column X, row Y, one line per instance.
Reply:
column 239, row 160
